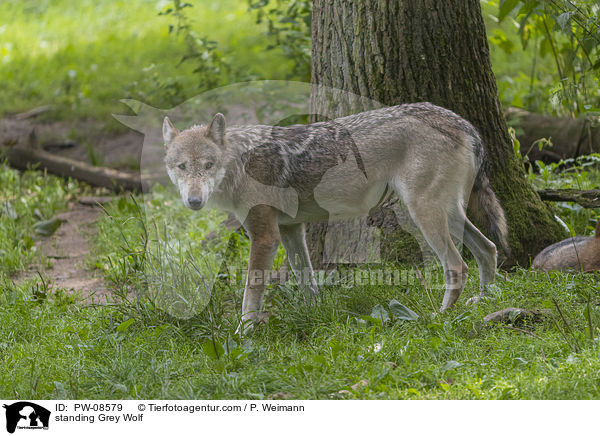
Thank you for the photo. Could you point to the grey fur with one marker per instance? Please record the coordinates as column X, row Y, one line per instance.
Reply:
column 275, row 179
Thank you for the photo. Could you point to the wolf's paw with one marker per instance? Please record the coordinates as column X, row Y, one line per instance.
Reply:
column 474, row 300
column 446, row 308
column 248, row 323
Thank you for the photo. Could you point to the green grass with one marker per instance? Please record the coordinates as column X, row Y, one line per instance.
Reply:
column 56, row 349
column 83, row 57
column 27, row 198
column 53, row 346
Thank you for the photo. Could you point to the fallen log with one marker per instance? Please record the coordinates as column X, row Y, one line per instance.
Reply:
column 25, row 156
column 570, row 137
column 586, row 198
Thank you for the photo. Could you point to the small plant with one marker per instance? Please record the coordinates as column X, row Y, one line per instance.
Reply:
column 565, row 31
column 155, row 268
column 581, row 173
column 210, row 66
column 288, row 24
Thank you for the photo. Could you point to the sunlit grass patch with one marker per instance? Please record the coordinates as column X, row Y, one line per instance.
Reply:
column 84, row 57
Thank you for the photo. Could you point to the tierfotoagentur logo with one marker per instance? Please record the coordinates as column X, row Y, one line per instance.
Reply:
column 24, row 415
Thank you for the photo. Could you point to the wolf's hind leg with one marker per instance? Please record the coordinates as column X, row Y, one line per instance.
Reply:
column 432, row 221
column 485, row 254
column 293, row 238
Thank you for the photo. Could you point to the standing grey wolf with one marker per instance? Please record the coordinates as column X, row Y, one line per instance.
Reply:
column 276, row 179
column 578, row 254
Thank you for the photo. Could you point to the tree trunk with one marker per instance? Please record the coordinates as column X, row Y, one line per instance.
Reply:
column 404, row 51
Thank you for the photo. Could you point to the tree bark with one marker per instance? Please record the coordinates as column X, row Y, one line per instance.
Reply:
column 404, row 51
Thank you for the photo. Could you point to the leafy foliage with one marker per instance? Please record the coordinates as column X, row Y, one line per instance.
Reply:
column 568, row 32
column 288, row 26
column 83, row 57
column 580, row 173
column 209, row 65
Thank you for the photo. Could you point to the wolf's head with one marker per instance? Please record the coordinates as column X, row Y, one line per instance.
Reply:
column 194, row 159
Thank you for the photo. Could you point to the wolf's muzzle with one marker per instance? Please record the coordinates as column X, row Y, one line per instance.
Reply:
column 195, row 203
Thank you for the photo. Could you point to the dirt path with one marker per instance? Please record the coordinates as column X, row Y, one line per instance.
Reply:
column 67, row 251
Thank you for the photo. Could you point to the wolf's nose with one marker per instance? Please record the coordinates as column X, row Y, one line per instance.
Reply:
column 195, row 203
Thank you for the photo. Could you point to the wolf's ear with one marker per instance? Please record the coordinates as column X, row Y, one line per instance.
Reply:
column 216, row 130
column 169, row 131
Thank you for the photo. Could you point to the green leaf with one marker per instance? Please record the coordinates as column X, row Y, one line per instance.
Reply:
column 47, row 228
column 213, row 349
column 38, row 214
column 320, row 360
column 500, row 40
column 451, row 364
column 9, row 211
column 400, row 311
column 28, row 242
column 564, row 22
column 506, row 6
column 379, row 312
column 370, row 319
column 545, row 47
column 335, row 347
column 512, row 316
column 59, row 389
column 125, row 325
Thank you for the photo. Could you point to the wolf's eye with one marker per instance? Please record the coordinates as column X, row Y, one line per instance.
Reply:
column 181, row 166
column 208, row 165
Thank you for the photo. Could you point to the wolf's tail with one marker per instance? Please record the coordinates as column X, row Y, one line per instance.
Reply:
column 485, row 207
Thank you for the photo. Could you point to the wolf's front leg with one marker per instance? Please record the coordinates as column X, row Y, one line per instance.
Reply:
column 261, row 225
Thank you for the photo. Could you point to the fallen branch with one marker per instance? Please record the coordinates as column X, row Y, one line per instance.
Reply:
column 95, row 201
column 32, row 112
column 24, row 156
column 588, row 199
column 516, row 315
